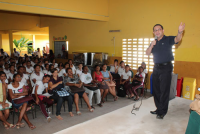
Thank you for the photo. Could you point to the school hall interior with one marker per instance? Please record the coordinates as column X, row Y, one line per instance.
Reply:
column 98, row 33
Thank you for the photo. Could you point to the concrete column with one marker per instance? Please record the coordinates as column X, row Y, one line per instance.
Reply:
column 0, row 41
column 11, row 42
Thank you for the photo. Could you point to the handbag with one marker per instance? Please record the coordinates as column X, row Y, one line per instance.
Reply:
column 62, row 92
column 91, row 88
column 22, row 100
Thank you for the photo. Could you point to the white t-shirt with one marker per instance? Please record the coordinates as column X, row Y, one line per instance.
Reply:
column 126, row 75
column 56, row 65
column 29, row 70
column 79, row 72
column 6, row 81
column 32, row 63
column 17, row 90
column 62, row 72
column 10, row 75
column 145, row 71
column 86, row 78
column 73, row 69
column 46, row 72
column 112, row 69
column 141, row 75
column 16, row 54
column 6, row 71
column 24, row 79
column 41, row 87
column 121, row 71
column 36, row 77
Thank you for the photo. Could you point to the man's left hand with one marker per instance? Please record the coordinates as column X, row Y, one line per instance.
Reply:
column 181, row 27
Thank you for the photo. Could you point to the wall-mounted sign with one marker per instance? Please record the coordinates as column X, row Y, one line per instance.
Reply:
column 60, row 38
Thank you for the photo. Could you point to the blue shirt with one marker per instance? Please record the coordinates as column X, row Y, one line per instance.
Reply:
column 105, row 75
column 162, row 51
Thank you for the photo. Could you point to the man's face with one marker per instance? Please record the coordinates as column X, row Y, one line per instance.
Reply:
column 158, row 31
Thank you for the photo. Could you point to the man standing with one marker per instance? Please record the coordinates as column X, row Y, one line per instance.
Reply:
column 161, row 48
column 16, row 53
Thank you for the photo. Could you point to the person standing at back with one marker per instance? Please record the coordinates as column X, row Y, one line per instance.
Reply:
column 161, row 48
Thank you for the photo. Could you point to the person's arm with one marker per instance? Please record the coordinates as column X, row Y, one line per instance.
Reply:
column 110, row 76
column 180, row 31
column 34, row 81
column 16, row 95
column 121, row 79
column 51, row 85
column 149, row 49
column 93, row 77
column 116, row 69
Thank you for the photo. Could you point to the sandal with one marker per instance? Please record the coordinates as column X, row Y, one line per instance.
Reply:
column 100, row 105
column 116, row 97
column 12, row 126
column 5, row 126
column 59, row 117
column 22, row 125
column 78, row 112
column 32, row 127
column 91, row 110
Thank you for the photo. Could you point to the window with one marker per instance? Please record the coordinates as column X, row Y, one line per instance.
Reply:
column 134, row 52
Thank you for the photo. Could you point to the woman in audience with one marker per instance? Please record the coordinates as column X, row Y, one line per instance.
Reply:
column 139, row 77
column 107, row 77
column 12, row 72
column 55, row 84
column 63, row 71
column 17, row 90
column 125, row 80
column 90, row 87
column 37, row 75
column 72, row 66
column 39, row 88
column 121, row 69
column 76, row 87
column 46, row 70
column 79, row 70
column 4, row 108
column 97, row 77
column 29, row 68
column 144, row 67
column 24, row 77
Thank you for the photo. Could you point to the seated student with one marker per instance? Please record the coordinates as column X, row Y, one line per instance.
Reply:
column 121, row 69
column 55, row 65
column 24, row 64
column 72, row 66
column 55, row 84
column 63, row 71
column 4, row 107
column 90, row 87
column 3, row 78
column 114, row 68
column 24, row 77
column 125, row 79
column 76, row 87
column 17, row 90
column 144, row 67
column 138, row 82
column 51, row 67
column 60, row 66
column 10, row 75
column 46, row 70
column 107, row 77
column 37, row 75
column 41, row 67
column 79, row 70
column 6, row 69
column 38, row 89
column 97, row 77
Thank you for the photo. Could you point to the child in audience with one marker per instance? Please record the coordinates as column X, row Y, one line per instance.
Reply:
column 140, row 76
column 55, row 65
column 38, row 89
column 6, row 69
column 79, row 70
column 46, row 70
column 10, row 75
column 90, row 87
column 63, row 71
column 17, row 90
column 107, row 77
column 144, row 67
column 125, row 80
column 72, row 66
column 4, row 107
column 36, row 76
column 121, row 69
column 114, row 68
column 3, row 78
column 60, row 66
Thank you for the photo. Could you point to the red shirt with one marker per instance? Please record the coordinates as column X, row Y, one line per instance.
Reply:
column 99, row 77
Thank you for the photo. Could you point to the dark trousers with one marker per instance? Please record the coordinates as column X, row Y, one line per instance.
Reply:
column 59, row 101
column 162, row 76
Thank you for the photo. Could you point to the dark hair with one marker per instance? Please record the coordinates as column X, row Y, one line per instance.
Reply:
column 2, row 72
column 140, row 67
column 1, row 67
column 28, row 61
column 80, row 63
column 66, row 63
column 158, row 25
column 127, row 66
column 68, row 69
column 53, row 70
column 84, row 66
column 50, row 67
column 96, row 66
column 46, row 65
column 20, row 67
column 51, row 52
column 36, row 66
column 15, row 76
column 116, row 60
column 11, row 66
column 23, row 62
column 121, row 62
column 46, row 76
column 104, row 65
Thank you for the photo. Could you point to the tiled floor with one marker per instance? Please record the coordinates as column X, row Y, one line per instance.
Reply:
column 55, row 125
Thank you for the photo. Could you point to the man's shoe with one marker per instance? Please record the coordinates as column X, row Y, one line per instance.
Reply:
column 153, row 112
column 160, row 116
